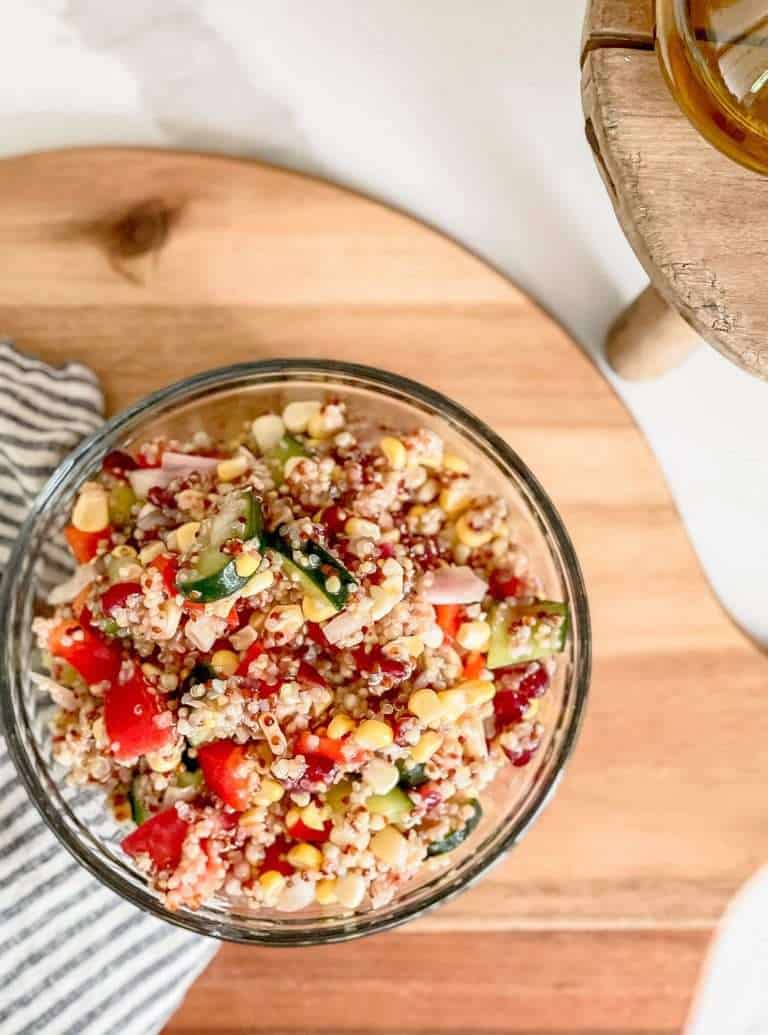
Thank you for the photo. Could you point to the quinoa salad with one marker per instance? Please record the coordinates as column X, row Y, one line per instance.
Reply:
column 294, row 660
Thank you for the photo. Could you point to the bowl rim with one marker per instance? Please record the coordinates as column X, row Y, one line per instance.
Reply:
column 272, row 371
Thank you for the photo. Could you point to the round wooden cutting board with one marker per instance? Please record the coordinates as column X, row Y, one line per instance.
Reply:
column 149, row 266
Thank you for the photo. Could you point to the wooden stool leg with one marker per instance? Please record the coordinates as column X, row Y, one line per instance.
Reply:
column 649, row 338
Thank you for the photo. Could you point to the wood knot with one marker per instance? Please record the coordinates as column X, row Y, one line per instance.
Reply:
column 134, row 240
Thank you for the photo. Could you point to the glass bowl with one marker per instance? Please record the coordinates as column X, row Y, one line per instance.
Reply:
column 219, row 401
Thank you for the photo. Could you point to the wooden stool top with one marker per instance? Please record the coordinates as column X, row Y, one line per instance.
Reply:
column 696, row 220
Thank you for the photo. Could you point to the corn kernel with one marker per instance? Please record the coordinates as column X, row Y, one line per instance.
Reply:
column 455, row 464
column 267, row 430
column 186, row 535
column 272, row 883
column 359, row 528
column 269, row 792
column 453, row 703
column 257, row 584
column 470, row 536
column 381, row 776
column 474, row 635
column 373, row 734
column 383, row 600
column 326, row 422
column 305, row 856
column 296, row 415
column 149, row 552
column 477, row 691
column 350, row 890
column 229, row 470
column 395, row 452
column 224, row 662
column 325, row 892
column 246, row 565
column 454, row 499
column 314, row 816
column 316, row 608
column 425, row 705
column 390, row 847
column 427, row 745
column 339, row 726
column 91, row 511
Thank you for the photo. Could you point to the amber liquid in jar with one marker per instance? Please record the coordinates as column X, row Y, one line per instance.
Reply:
column 714, row 54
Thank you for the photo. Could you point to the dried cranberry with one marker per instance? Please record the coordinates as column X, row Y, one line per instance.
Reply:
column 386, row 550
column 334, row 518
column 274, row 858
column 503, row 584
column 399, row 729
column 522, row 759
column 319, row 768
column 508, row 708
column 527, row 684
column 160, row 497
column 310, row 676
column 117, row 463
column 535, row 683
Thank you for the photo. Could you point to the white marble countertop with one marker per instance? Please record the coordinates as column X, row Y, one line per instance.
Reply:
column 466, row 114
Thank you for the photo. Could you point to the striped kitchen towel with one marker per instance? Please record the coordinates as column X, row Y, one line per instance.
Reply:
column 75, row 959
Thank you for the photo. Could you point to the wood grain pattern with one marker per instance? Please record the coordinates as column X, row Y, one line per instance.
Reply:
column 150, row 266
column 612, row 22
column 693, row 217
column 413, row 984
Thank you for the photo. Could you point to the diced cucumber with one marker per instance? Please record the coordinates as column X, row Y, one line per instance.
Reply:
column 457, row 837
column 276, row 458
column 139, row 810
column 527, row 632
column 412, row 777
column 215, row 573
column 394, row 805
column 320, row 570
column 190, row 779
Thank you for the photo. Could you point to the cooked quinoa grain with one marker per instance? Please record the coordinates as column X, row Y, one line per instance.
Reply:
column 295, row 660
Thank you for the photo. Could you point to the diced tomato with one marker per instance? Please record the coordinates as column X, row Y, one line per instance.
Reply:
column 130, row 713
column 337, row 751
column 94, row 657
column 274, row 858
column 117, row 595
column 85, row 545
column 301, row 832
column 169, row 568
column 250, row 655
column 117, row 463
column 503, row 584
column 225, row 770
column 449, row 618
column 474, row 665
column 161, row 837
column 309, row 675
